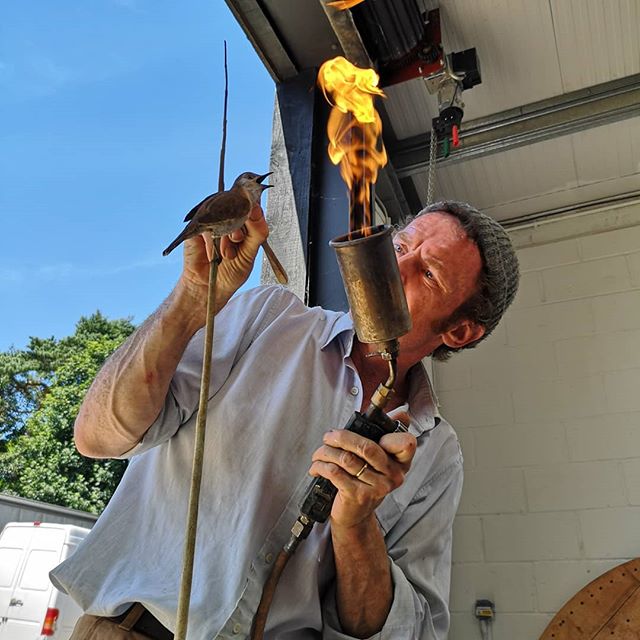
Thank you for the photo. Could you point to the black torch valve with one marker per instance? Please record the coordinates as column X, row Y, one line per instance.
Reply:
column 317, row 503
column 373, row 424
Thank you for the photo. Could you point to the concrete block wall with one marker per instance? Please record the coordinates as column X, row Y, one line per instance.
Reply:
column 548, row 415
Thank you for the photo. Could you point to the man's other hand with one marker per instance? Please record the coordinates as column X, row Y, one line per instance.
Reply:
column 342, row 459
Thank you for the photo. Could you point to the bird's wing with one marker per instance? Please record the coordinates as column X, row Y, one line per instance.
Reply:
column 192, row 213
column 229, row 205
column 192, row 229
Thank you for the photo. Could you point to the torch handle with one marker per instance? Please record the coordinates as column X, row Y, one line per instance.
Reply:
column 319, row 498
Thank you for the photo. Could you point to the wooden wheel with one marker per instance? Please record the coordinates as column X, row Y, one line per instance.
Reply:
column 607, row 608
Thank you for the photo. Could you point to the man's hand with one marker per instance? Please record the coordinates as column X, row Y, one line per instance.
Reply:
column 239, row 251
column 342, row 457
column 364, row 589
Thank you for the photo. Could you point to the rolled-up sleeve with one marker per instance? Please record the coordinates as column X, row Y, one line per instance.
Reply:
column 241, row 320
column 419, row 549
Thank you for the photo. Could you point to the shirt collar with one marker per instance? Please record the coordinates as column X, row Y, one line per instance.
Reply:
column 338, row 323
column 422, row 405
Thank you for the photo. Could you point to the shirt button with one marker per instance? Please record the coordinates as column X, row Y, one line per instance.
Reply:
column 236, row 628
column 354, row 391
column 268, row 558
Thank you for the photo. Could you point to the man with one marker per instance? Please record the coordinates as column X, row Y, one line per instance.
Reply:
column 282, row 376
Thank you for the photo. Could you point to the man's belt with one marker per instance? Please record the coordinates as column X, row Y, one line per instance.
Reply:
column 137, row 618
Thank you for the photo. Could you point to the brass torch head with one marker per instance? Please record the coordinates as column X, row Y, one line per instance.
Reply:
column 371, row 277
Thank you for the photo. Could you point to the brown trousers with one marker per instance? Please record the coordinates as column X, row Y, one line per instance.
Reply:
column 96, row 628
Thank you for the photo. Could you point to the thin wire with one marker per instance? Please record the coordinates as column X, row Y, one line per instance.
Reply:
column 223, row 145
column 485, row 629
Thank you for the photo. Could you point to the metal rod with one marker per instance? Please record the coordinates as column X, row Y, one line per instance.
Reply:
column 198, row 453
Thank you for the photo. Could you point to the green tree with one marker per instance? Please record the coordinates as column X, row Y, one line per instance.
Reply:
column 42, row 387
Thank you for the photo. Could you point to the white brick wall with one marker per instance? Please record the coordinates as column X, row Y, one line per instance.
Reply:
column 548, row 414
column 531, row 536
column 468, row 543
column 575, row 485
column 610, row 533
column 585, row 441
column 510, row 583
column 520, row 445
column 597, row 353
column 554, row 580
column 586, row 279
column 491, row 490
column 631, row 470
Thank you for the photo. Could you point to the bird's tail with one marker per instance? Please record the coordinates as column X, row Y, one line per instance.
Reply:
column 183, row 236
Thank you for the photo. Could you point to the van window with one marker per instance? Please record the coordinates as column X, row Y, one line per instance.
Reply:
column 9, row 561
column 36, row 572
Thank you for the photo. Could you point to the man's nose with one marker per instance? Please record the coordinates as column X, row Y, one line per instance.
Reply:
column 406, row 264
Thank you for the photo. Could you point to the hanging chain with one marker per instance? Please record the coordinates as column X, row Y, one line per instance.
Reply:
column 433, row 141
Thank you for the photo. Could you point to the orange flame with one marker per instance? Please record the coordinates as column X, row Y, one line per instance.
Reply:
column 341, row 5
column 354, row 130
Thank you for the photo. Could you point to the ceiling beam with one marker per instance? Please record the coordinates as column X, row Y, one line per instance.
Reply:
column 348, row 36
column 535, row 122
column 265, row 40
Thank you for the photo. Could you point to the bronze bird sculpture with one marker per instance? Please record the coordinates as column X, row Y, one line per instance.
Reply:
column 225, row 211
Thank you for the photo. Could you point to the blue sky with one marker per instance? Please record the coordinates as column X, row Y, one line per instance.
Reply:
column 110, row 125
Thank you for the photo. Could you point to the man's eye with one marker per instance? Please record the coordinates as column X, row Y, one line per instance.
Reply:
column 429, row 274
column 397, row 248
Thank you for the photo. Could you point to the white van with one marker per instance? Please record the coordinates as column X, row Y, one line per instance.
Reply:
column 31, row 608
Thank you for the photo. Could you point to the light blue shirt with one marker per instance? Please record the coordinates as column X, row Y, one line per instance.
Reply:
column 281, row 376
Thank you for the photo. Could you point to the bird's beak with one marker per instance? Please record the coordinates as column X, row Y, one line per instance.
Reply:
column 262, row 177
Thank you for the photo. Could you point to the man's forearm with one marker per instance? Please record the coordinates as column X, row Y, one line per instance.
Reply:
column 130, row 389
column 364, row 589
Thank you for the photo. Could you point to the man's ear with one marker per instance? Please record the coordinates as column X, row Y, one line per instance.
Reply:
column 462, row 333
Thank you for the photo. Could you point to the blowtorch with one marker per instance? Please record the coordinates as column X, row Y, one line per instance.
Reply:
column 371, row 277
column 372, row 282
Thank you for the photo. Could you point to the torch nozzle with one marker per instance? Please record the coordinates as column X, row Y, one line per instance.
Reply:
column 382, row 394
column 373, row 285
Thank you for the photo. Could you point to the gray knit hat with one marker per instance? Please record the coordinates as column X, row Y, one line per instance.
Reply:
column 500, row 275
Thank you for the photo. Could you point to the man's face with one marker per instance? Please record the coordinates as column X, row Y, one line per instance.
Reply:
column 439, row 266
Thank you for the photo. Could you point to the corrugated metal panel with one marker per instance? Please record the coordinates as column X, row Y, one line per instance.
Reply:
column 598, row 163
column 567, row 199
column 516, row 46
column 510, row 176
column 16, row 509
column 529, row 51
column 608, row 152
column 598, row 40
column 410, row 108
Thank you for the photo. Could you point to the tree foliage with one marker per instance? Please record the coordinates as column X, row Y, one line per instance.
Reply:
column 41, row 389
